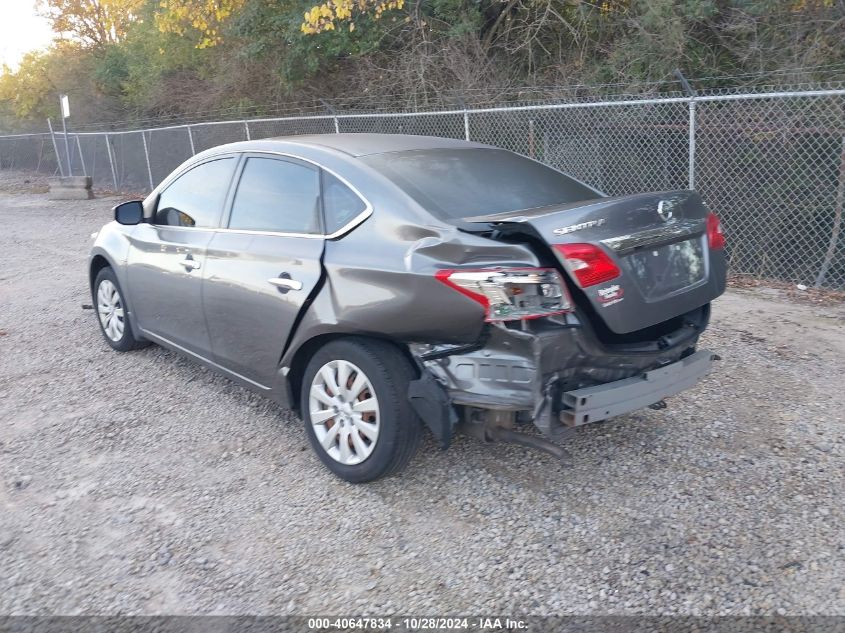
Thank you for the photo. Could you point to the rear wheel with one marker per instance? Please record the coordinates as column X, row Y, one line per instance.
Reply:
column 356, row 410
column 111, row 313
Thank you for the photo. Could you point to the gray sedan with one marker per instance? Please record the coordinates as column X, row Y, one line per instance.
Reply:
column 384, row 284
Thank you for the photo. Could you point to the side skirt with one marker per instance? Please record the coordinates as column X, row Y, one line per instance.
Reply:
column 257, row 387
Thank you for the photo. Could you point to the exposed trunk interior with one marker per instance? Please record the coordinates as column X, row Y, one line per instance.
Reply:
column 666, row 275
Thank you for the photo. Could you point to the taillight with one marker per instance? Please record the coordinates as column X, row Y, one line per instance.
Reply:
column 511, row 294
column 589, row 263
column 715, row 237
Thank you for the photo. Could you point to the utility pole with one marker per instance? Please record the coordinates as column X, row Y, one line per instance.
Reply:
column 64, row 102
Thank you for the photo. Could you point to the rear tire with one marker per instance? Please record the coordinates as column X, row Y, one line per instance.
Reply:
column 110, row 308
column 356, row 410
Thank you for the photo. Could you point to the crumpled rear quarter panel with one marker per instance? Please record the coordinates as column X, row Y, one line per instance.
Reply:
column 380, row 280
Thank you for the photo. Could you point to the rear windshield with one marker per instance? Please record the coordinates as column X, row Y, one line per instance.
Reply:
column 458, row 183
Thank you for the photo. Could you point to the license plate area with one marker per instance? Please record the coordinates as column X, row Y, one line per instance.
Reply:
column 666, row 270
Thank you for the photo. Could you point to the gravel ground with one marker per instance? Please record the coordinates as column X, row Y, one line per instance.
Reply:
column 142, row 483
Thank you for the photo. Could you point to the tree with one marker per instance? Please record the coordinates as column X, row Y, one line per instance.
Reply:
column 326, row 16
column 95, row 22
column 31, row 93
column 205, row 17
column 25, row 93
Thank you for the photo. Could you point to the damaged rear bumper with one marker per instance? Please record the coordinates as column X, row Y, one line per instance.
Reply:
column 558, row 374
column 600, row 402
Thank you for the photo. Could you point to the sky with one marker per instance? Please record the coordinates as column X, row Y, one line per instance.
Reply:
column 21, row 30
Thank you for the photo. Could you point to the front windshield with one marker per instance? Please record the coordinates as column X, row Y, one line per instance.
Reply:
column 459, row 183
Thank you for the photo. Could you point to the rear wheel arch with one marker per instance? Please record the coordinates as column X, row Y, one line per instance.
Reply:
column 311, row 346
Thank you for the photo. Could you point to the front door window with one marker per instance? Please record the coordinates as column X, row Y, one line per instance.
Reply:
column 196, row 197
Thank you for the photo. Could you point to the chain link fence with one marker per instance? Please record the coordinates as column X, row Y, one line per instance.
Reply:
column 771, row 164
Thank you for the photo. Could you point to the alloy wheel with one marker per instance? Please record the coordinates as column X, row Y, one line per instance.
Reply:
column 110, row 310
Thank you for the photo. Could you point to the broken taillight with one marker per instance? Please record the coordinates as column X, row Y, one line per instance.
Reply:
column 589, row 263
column 715, row 237
column 511, row 294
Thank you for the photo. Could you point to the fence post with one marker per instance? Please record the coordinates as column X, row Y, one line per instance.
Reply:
column 81, row 158
column 838, row 206
column 333, row 112
column 691, row 166
column 40, row 155
column 56, row 148
column 191, row 140
column 246, row 130
column 532, row 150
column 111, row 160
column 147, row 158
column 466, row 125
column 685, row 85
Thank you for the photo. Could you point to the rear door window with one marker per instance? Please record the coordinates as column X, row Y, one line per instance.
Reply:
column 277, row 195
column 196, row 197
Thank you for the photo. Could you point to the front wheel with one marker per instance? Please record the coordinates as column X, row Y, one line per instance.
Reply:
column 355, row 406
column 111, row 313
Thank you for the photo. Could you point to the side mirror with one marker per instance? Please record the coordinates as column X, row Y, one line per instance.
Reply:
column 131, row 212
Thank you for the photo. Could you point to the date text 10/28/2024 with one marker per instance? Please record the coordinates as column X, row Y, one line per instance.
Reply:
column 416, row 624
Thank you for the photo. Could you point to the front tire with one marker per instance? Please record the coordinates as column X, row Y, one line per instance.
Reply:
column 356, row 410
column 112, row 315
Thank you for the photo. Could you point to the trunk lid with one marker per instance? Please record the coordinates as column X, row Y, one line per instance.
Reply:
column 657, row 240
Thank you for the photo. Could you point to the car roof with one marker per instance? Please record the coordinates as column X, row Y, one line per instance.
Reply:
column 365, row 144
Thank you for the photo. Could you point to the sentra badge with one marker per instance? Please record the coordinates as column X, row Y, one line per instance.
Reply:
column 577, row 227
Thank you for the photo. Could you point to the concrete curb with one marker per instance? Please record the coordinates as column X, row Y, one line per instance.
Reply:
column 70, row 188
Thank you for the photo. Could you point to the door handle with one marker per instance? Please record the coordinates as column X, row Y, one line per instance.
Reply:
column 285, row 283
column 190, row 264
